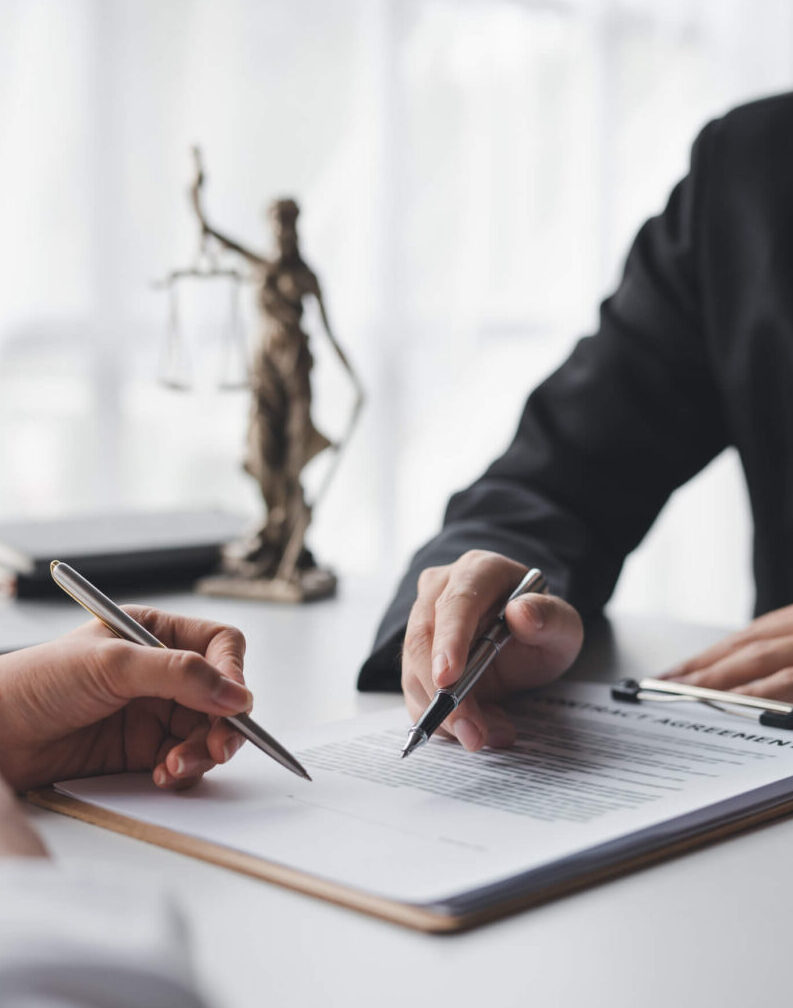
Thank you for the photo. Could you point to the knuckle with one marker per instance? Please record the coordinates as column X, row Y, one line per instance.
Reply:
column 429, row 579
column 460, row 594
column 757, row 655
column 146, row 615
column 476, row 573
column 475, row 559
column 188, row 665
column 742, row 639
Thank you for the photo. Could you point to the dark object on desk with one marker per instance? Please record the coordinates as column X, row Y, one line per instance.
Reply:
column 275, row 564
column 140, row 548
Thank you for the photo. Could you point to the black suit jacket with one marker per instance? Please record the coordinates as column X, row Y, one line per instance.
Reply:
column 694, row 352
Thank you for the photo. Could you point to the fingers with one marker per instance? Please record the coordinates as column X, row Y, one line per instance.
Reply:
column 114, row 672
column 778, row 686
column 501, row 731
column 757, row 660
column 776, row 624
column 469, row 724
column 223, row 741
column 208, row 682
column 476, row 586
column 181, row 764
column 747, row 663
column 416, row 700
column 420, row 632
column 476, row 725
column 453, row 605
column 223, row 646
column 88, row 677
column 226, row 651
column 709, row 657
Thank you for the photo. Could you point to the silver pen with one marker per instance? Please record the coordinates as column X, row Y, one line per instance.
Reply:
column 480, row 656
column 123, row 625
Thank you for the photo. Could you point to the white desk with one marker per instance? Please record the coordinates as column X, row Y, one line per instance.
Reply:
column 708, row 928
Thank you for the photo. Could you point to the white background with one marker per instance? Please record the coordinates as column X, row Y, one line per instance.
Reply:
column 470, row 172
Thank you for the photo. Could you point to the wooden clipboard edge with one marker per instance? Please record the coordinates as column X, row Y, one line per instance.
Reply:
column 525, row 901
column 408, row 914
column 431, row 918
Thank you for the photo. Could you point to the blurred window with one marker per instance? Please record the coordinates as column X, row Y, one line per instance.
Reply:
column 470, row 173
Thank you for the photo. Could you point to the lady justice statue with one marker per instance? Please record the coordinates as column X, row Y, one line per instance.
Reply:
column 275, row 563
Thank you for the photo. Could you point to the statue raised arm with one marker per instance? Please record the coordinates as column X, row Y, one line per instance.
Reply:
column 196, row 198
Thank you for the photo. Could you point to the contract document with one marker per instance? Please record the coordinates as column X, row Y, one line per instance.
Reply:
column 591, row 784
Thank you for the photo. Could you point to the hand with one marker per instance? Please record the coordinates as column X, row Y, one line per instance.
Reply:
column 454, row 604
column 17, row 836
column 90, row 703
column 757, row 660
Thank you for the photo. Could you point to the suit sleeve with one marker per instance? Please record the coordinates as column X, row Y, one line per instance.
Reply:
column 632, row 414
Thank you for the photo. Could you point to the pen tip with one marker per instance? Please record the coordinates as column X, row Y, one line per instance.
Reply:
column 416, row 737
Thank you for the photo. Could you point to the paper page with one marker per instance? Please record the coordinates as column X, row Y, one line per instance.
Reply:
column 585, row 770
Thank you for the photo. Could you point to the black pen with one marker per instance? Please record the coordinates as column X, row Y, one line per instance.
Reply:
column 479, row 657
column 123, row 625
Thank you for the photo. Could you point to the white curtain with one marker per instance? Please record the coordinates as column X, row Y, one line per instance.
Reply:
column 470, row 173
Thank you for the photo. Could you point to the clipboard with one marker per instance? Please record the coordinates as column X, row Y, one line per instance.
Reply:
column 478, row 906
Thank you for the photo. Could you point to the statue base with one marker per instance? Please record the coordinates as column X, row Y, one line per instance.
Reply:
column 308, row 586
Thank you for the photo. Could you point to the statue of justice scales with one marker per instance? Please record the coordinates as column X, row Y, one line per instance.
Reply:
column 274, row 563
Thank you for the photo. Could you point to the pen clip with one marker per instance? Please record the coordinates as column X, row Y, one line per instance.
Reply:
column 771, row 713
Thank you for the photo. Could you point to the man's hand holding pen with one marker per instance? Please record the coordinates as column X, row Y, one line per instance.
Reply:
column 454, row 604
column 457, row 602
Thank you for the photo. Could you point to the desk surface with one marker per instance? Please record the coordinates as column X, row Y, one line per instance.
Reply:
column 709, row 926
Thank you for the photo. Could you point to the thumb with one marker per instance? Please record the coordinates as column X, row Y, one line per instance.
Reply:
column 547, row 634
column 551, row 627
